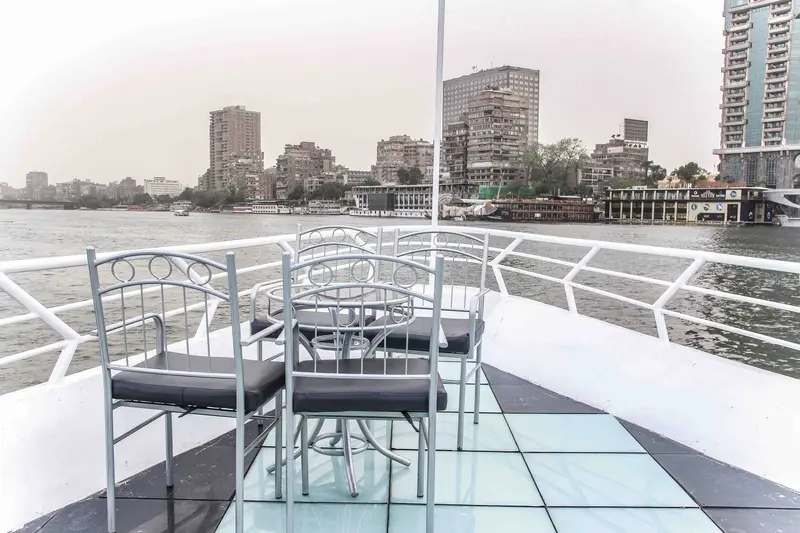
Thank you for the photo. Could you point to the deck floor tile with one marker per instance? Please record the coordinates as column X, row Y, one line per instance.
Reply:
column 571, row 433
column 464, row 519
column 488, row 401
column 491, row 434
column 262, row 517
column 632, row 521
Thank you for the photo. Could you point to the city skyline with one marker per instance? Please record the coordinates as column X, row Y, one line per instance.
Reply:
column 135, row 101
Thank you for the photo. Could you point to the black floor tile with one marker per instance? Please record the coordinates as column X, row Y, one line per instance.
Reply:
column 530, row 398
column 756, row 520
column 139, row 516
column 36, row 525
column 716, row 484
column 229, row 439
column 202, row 473
column 653, row 442
column 516, row 395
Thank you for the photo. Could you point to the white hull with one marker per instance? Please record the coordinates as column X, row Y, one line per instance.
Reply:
column 787, row 222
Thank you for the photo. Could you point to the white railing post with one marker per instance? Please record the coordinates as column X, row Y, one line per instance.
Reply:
column 62, row 364
column 571, row 275
column 499, row 259
column 664, row 299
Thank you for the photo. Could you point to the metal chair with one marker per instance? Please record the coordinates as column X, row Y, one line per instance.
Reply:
column 464, row 291
column 364, row 388
column 169, row 378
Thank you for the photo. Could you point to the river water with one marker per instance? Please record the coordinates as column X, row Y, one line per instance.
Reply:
column 46, row 233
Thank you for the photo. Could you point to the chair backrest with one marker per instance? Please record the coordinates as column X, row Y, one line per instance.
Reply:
column 391, row 291
column 327, row 240
column 465, row 260
column 131, row 289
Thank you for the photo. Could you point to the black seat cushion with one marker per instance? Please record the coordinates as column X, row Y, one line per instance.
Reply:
column 262, row 380
column 319, row 395
column 417, row 335
column 308, row 318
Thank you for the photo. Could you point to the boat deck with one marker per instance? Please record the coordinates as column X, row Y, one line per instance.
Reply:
column 538, row 462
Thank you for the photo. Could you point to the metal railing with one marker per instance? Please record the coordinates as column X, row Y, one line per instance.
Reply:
column 497, row 264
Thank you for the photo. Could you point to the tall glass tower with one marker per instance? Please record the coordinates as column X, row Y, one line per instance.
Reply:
column 760, row 127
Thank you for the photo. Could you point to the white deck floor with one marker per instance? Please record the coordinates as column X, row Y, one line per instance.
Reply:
column 732, row 412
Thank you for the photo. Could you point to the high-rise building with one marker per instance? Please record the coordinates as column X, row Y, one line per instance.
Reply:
column 760, row 126
column 456, row 137
column 160, row 186
column 233, row 133
column 523, row 82
column 298, row 163
column 401, row 151
column 497, row 136
column 33, row 181
column 126, row 189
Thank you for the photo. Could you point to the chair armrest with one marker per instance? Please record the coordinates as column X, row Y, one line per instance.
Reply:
column 161, row 332
column 261, row 334
column 477, row 300
column 254, row 294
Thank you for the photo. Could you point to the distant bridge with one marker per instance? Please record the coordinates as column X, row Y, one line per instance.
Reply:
column 30, row 203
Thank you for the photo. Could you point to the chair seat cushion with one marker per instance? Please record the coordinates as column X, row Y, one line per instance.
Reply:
column 417, row 335
column 308, row 318
column 319, row 395
column 262, row 380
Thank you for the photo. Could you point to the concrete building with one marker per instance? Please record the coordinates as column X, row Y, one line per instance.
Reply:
column 35, row 180
column 456, row 136
column 159, row 186
column 5, row 188
column 356, row 178
column 760, row 125
column 246, row 174
column 300, row 162
column 635, row 130
column 401, row 151
column 126, row 189
column 496, row 139
column 523, row 82
column 233, row 132
column 622, row 158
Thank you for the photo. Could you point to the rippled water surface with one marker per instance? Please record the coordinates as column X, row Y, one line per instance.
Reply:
column 40, row 233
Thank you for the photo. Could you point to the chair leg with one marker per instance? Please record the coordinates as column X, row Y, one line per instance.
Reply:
column 348, row 459
column 260, row 422
column 168, row 436
column 111, row 509
column 304, row 453
column 421, row 449
column 476, row 413
column 462, row 403
column 279, row 445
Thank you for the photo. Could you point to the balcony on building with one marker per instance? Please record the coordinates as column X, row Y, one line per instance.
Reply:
column 736, row 64
column 733, row 102
column 779, row 26
column 739, row 26
column 780, row 9
column 733, row 47
column 775, row 87
column 779, row 38
column 774, row 129
column 777, row 78
column 777, row 58
column 733, row 122
column 776, row 67
column 775, row 98
column 777, row 47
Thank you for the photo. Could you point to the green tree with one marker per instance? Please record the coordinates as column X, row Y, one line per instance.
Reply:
column 409, row 176
column 89, row 202
column 371, row 183
column 548, row 164
column 187, row 195
column 328, row 191
column 690, row 172
column 656, row 174
column 164, row 199
column 142, row 199
column 296, row 194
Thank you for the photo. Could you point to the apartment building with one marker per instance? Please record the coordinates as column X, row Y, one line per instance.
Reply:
column 760, row 124
column 401, row 151
column 233, row 132
column 522, row 82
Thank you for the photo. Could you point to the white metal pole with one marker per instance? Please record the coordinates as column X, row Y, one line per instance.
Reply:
column 437, row 121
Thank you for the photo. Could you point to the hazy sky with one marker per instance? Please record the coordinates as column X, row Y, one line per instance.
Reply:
column 94, row 90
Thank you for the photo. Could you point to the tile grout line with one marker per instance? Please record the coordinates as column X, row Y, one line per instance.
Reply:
column 689, row 494
column 535, row 485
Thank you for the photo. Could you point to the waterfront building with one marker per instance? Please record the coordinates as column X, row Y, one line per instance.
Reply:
column 405, row 200
column 496, row 138
column 233, row 133
column 401, row 151
column 159, row 186
column 760, row 124
column 355, row 178
column 34, row 181
column 522, row 82
column 126, row 189
column 456, row 136
column 721, row 205
column 300, row 162
column 623, row 158
column 246, row 174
